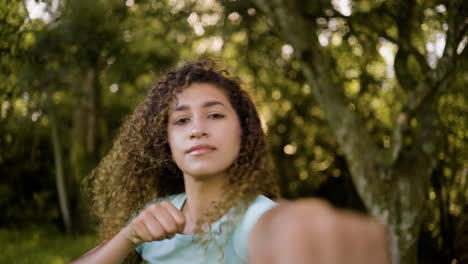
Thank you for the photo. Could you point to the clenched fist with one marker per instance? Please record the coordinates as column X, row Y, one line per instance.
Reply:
column 157, row 222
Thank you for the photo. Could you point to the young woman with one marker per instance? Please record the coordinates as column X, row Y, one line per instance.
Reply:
column 188, row 176
column 188, row 180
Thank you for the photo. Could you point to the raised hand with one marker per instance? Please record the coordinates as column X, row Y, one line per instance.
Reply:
column 157, row 222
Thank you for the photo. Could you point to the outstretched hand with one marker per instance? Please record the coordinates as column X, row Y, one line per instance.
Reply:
column 312, row 231
column 157, row 222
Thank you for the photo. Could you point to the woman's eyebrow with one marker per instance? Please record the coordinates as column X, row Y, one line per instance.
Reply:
column 181, row 108
column 211, row 103
column 207, row 104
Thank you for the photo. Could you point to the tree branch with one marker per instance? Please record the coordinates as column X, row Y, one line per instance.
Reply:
column 462, row 33
column 27, row 11
column 438, row 81
column 364, row 22
column 415, row 99
column 463, row 56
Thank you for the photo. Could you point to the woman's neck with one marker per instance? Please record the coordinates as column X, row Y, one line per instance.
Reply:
column 200, row 195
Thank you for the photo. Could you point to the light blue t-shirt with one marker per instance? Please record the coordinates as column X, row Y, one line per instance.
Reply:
column 181, row 248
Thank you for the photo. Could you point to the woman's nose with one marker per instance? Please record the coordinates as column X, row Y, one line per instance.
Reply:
column 198, row 130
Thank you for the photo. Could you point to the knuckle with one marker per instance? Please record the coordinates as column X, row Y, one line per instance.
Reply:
column 154, row 207
column 147, row 238
column 181, row 219
column 166, row 203
column 140, row 229
column 156, row 231
column 171, row 228
column 159, row 235
column 144, row 212
column 143, row 216
column 180, row 224
column 135, row 221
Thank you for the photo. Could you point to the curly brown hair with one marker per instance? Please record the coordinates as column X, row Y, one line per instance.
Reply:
column 139, row 167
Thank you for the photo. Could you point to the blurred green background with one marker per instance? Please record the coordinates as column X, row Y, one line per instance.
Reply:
column 364, row 104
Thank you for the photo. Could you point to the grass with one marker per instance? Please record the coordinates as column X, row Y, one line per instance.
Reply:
column 42, row 246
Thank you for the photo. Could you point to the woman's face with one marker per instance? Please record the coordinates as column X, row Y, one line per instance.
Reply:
column 204, row 131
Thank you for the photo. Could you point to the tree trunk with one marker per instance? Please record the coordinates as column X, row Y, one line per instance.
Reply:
column 59, row 175
column 84, row 152
column 92, row 107
column 85, row 143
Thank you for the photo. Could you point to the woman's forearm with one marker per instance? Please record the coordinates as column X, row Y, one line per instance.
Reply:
column 112, row 252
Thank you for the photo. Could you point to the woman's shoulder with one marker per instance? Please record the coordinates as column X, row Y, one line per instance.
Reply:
column 255, row 210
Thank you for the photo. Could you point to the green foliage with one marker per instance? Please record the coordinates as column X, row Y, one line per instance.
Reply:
column 44, row 245
column 90, row 65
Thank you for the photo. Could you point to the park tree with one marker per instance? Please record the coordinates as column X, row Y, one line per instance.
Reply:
column 363, row 104
column 391, row 173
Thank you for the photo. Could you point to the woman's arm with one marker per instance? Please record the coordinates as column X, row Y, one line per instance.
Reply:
column 157, row 222
column 114, row 251
column 312, row 231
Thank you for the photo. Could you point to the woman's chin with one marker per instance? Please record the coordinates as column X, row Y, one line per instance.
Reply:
column 205, row 174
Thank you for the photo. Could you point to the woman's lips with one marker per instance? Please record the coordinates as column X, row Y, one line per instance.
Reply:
column 200, row 150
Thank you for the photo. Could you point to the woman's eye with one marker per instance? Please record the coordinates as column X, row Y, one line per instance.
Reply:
column 181, row 121
column 215, row 116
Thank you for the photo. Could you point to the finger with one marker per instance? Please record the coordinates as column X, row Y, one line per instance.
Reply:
column 164, row 218
column 152, row 225
column 155, row 229
column 176, row 214
column 140, row 232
